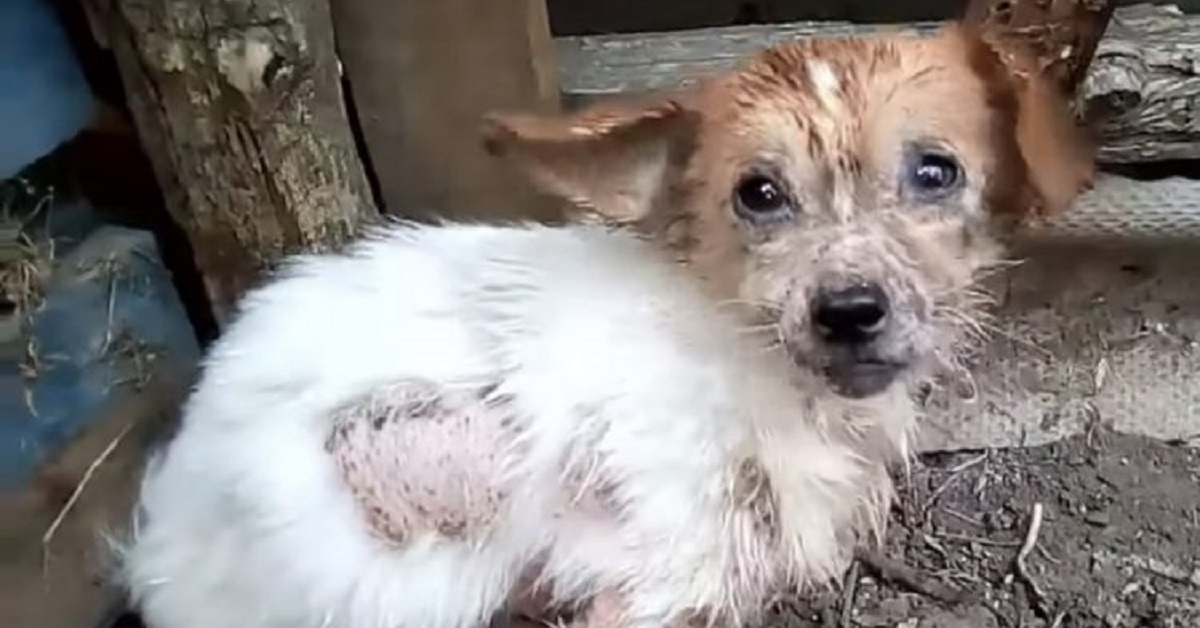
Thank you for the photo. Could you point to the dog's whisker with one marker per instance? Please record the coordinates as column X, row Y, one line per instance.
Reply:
column 975, row 326
column 764, row 327
column 983, row 324
column 994, row 267
column 765, row 306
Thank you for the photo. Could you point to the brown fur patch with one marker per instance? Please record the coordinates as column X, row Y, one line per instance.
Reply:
column 1047, row 156
column 631, row 142
column 846, row 131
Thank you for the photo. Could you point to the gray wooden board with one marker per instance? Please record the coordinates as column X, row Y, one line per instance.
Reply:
column 1146, row 70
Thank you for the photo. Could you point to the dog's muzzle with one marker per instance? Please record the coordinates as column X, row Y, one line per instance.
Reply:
column 849, row 322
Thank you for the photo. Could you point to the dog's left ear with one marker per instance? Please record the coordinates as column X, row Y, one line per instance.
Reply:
column 1058, row 154
column 613, row 161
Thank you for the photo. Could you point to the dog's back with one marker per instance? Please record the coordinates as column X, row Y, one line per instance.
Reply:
column 246, row 518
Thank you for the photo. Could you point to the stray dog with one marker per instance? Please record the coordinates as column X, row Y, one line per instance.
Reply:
column 663, row 419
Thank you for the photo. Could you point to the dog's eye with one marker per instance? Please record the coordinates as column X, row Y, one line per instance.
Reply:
column 932, row 173
column 759, row 196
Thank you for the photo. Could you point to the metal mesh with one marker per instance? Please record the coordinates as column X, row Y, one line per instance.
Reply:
column 1104, row 328
column 1123, row 208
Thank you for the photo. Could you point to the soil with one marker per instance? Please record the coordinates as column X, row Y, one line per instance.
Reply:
column 1118, row 546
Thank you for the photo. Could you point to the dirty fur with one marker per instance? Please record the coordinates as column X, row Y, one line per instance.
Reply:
column 839, row 126
column 648, row 419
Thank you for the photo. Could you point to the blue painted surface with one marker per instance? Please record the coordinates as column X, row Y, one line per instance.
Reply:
column 44, row 97
column 90, row 359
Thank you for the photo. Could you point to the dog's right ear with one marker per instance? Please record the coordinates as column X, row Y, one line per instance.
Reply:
column 613, row 160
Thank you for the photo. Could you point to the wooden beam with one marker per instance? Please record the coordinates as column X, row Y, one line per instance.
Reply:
column 422, row 73
column 238, row 105
column 1144, row 77
column 1062, row 33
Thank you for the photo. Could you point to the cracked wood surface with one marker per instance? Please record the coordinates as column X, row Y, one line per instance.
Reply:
column 1142, row 86
column 238, row 104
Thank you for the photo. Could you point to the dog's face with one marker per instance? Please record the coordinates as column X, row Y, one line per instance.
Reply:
column 849, row 191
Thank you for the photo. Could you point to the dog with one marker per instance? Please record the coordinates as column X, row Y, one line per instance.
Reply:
column 683, row 403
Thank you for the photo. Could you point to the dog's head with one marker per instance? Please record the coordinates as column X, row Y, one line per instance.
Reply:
column 851, row 191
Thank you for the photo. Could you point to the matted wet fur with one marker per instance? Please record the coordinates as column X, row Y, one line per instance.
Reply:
column 893, row 161
column 662, row 423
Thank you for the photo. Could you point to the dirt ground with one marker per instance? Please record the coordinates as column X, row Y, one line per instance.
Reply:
column 1118, row 545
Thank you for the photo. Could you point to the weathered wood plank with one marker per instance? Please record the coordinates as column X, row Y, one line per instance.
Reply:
column 1145, row 79
column 1143, row 83
column 238, row 105
column 422, row 74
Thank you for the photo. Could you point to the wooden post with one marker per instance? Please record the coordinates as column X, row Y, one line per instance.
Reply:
column 238, row 104
column 1062, row 33
column 422, row 73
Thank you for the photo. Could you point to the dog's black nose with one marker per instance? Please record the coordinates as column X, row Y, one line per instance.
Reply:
column 850, row 315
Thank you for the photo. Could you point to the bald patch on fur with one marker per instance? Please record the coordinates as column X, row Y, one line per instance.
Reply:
column 420, row 459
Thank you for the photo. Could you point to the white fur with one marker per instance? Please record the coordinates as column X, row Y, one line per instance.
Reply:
column 826, row 84
column 615, row 363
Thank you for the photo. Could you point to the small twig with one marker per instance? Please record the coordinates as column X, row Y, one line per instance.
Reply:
column 112, row 302
column 1021, row 571
column 955, row 473
column 963, row 517
column 963, row 466
column 87, row 477
column 1045, row 554
column 1031, row 536
column 848, row 594
column 981, row 483
column 958, row 575
column 936, row 546
column 964, row 538
column 900, row 574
